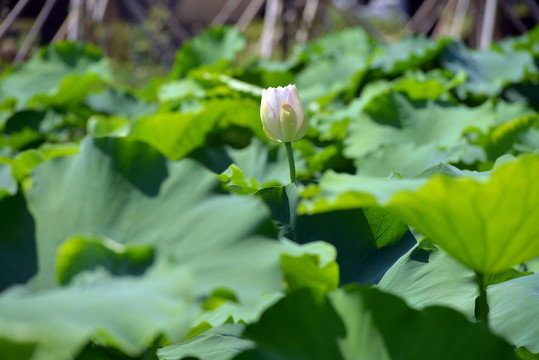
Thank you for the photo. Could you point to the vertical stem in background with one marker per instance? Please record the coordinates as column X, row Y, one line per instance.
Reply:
column 487, row 26
column 74, row 20
column 267, row 39
column 225, row 12
column 21, row 4
column 291, row 162
column 249, row 14
column 309, row 13
column 481, row 303
column 457, row 24
column 34, row 31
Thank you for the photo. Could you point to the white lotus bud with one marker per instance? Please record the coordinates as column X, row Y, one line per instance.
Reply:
column 281, row 111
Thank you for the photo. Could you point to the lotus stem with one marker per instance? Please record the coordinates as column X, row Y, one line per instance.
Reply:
column 291, row 162
column 481, row 303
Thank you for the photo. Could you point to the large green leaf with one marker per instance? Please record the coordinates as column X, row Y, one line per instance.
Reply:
column 126, row 191
column 364, row 323
column 514, row 308
column 426, row 276
column 488, row 224
column 129, row 313
column 44, row 73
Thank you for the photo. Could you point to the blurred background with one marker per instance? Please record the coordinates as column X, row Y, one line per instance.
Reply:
column 142, row 36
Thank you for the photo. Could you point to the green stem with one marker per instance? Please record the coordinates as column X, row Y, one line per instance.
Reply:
column 481, row 304
column 291, row 162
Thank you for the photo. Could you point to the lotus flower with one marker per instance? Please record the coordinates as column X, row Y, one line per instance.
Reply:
column 283, row 118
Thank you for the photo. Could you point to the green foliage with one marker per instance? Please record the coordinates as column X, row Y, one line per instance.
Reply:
column 82, row 253
column 498, row 231
column 487, row 225
column 504, row 300
column 358, row 323
column 51, row 74
column 394, row 133
column 17, row 241
column 213, row 47
column 123, row 312
column 307, row 272
column 8, row 186
column 160, row 222
column 219, row 343
column 410, row 52
column 488, row 71
column 427, row 276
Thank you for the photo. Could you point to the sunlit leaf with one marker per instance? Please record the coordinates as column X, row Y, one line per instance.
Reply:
column 177, row 134
column 81, row 253
column 485, row 223
column 487, row 226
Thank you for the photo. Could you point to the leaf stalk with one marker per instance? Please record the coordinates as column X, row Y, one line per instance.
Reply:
column 291, row 163
column 481, row 303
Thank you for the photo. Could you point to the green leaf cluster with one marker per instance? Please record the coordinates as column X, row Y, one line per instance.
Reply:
column 159, row 222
